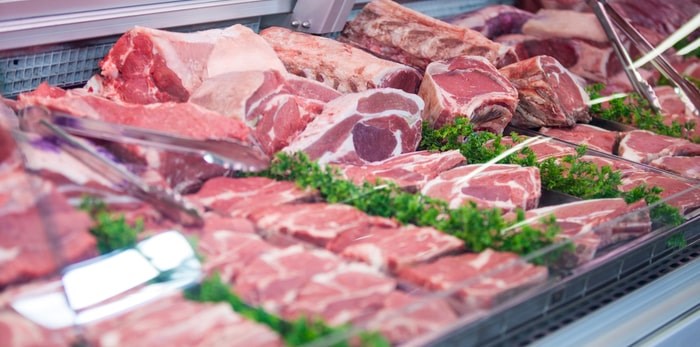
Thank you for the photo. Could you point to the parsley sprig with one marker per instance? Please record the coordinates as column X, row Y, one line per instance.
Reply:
column 111, row 231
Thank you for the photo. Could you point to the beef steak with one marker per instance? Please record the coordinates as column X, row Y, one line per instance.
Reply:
column 685, row 166
column 584, row 134
column 643, row 146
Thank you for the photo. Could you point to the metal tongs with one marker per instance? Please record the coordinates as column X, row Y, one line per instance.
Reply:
column 610, row 19
column 171, row 204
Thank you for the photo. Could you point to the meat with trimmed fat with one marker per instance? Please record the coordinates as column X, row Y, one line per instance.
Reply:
column 548, row 92
column 276, row 106
column 583, row 134
column 239, row 197
column 405, row 317
column 686, row 197
column 467, row 86
column 275, row 279
column 347, row 293
column 336, row 64
column 480, row 280
column 685, row 166
column 391, row 249
column 675, row 110
column 492, row 21
column 409, row 171
column 398, row 33
column 364, row 127
column 228, row 252
column 316, row 223
column 174, row 321
column 150, row 65
column 502, row 186
column 542, row 150
column 643, row 146
column 565, row 24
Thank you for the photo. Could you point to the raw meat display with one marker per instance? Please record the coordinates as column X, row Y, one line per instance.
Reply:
column 410, row 171
column 643, row 146
column 584, row 134
column 480, row 280
column 471, row 87
column 338, row 65
column 149, row 65
column 549, row 94
column 658, row 16
column 565, row 24
column 678, row 193
column 394, row 32
column 488, row 186
column 228, row 252
column 492, row 21
column 276, row 107
column 364, row 127
column 674, row 109
column 684, row 166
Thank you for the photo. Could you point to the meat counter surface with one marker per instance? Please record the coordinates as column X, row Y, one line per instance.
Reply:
column 389, row 205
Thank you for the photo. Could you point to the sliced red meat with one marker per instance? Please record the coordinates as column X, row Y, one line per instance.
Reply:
column 228, row 252
column 149, row 65
column 174, row 321
column 410, row 170
column 584, row 134
column 405, row 317
column 480, row 280
column 643, row 146
column 675, row 110
column 492, row 21
column 316, row 223
column 364, row 127
column 680, row 193
column 685, row 166
column 340, row 296
column 338, row 65
column 544, row 150
column 471, row 87
column 498, row 186
column 274, row 279
column 566, row 24
column 398, row 33
column 549, row 94
column 240, row 197
column 394, row 248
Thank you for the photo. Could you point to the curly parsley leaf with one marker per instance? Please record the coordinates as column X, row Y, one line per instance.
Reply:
column 111, row 231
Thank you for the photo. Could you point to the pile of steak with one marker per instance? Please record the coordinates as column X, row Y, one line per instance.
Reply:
column 362, row 128
column 338, row 65
column 502, row 186
column 549, row 94
column 471, row 87
column 584, row 134
column 398, row 33
column 479, row 280
column 410, row 171
column 493, row 21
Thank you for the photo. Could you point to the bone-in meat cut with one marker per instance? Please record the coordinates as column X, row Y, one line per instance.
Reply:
column 362, row 128
column 469, row 87
column 338, row 65
column 549, row 94
column 398, row 33
column 488, row 186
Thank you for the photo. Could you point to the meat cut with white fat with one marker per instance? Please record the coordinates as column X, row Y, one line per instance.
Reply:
column 643, row 146
column 584, row 134
column 506, row 187
column 492, row 21
column 338, row 65
column 361, row 128
column 565, row 24
column 677, row 192
column 549, row 94
column 150, row 65
column 228, row 252
column 398, row 33
column 470, row 87
column 685, row 166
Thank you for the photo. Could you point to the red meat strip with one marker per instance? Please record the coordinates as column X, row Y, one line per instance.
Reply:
column 685, row 166
column 480, row 279
column 405, row 317
column 410, row 170
column 643, row 146
column 498, row 186
column 316, row 223
column 392, row 249
column 398, row 33
column 584, row 134
column 240, row 197
column 340, row 296
column 364, row 127
column 149, row 65
column 549, row 94
column 493, row 21
column 471, row 87
column 275, row 279
column 338, row 65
